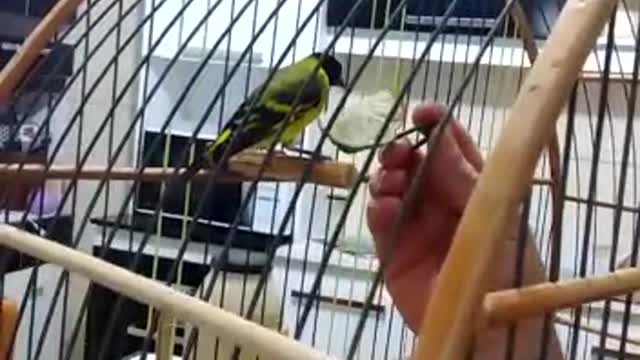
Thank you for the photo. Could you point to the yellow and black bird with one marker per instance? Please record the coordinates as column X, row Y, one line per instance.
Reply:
column 275, row 104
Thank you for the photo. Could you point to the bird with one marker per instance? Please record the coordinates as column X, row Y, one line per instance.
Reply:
column 273, row 103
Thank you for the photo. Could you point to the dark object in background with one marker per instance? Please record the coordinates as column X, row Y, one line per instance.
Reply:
column 47, row 77
column 14, row 195
column 102, row 302
column 13, row 150
column 61, row 232
column 50, row 72
column 469, row 17
column 225, row 199
column 222, row 204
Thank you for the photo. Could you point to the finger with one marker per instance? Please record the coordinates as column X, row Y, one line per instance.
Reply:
column 458, row 196
column 428, row 114
column 467, row 146
column 381, row 213
column 452, row 176
column 389, row 183
column 396, row 155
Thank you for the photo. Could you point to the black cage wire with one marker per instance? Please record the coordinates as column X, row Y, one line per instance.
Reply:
column 152, row 81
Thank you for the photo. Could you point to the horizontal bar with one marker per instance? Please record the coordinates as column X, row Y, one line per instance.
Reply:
column 242, row 168
column 514, row 304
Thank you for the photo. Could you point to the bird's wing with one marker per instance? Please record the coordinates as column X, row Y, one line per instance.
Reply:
column 293, row 84
column 276, row 102
column 273, row 106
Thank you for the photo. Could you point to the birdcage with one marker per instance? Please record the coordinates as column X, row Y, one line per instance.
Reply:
column 511, row 229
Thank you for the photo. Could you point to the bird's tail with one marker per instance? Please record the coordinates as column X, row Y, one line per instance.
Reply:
column 191, row 171
column 176, row 183
column 215, row 150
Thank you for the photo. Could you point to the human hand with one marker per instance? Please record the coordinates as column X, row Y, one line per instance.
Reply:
column 423, row 243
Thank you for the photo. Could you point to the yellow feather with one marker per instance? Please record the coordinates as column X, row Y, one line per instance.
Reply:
column 302, row 117
column 211, row 146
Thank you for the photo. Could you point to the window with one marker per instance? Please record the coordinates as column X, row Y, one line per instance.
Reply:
column 469, row 17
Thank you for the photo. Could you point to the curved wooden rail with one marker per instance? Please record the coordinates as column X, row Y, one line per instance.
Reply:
column 148, row 291
column 20, row 64
column 494, row 203
column 553, row 148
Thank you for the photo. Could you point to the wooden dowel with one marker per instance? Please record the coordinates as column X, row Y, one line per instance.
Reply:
column 514, row 304
column 22, row 61
column 165, row 336
column 492, row 209
column 148, row 291
column 245, row 168
column 8, row 320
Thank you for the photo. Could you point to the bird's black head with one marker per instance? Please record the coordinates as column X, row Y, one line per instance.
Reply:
column 333, row 68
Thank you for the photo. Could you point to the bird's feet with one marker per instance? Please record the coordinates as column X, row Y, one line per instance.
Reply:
column 306, row 152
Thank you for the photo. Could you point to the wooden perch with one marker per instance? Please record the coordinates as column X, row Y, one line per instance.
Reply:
column 513, row 304
column 466, row 273
column 243, row 167
column 623, row 264
column 23, row 60
column 271, row 344
column 553, row 148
